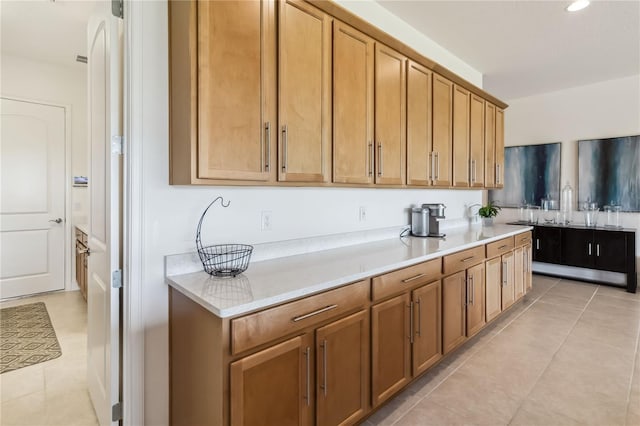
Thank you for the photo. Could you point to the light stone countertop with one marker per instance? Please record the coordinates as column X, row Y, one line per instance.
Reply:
column 275, row 281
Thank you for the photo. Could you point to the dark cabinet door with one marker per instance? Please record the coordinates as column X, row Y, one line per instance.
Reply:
column 547, row 244
column 577, row 247
column 610, row 251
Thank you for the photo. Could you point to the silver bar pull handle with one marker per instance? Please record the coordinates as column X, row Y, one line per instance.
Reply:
column 437, row 165
column 537, row 243
column 419, row 328
column 589, row 249
column 504, row 273
column 324, row 367
column 598, row 249
column 307, row 356
column 380, row 159
column 466, row 259
column 406, row 280
column 311, row 314
column 467, row 291
column 411, row 322
column 285, row 142
column 472, row 298
column 370, row 159
column 267, row 135
column 432, row 174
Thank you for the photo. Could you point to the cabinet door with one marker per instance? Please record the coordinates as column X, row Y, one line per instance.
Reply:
column 476, row 141
column 390, row 347
column 499, row 148
column 547, row 244
column 342, row 359
column 427, row 341
column 493, row 288
column 454, row 292
column 352, row 105
column 390, row 116
column 610, row 251
column 489, row 145
column 274, row 386
column 580, row 247
column 236, row 84
column 508, row 280
column 528, row 281
column 475, row 299
column 518, row 272
column 418, row 124
column 460, row 136
column 442, row 130
column 304, row 93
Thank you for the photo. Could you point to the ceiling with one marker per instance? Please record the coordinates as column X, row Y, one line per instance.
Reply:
column 45, row 30
column 521, row 47
column 528, row 47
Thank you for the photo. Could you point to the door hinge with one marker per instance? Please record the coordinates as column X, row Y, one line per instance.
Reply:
column 116, row 412
column 117, row 8
column 116, row 279
column 117, row 145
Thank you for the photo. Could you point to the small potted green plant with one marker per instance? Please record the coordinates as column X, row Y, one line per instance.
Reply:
column 488, row 212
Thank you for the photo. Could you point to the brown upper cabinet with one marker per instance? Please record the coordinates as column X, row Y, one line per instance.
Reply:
column 442, row 130
column 353, row 149
column 489, row 145
column 299, row 92
column 304, row 134
column 461, row 99
column 419, row 119
column 390, row 116
column 223, row 101
column 476, row 141
column 499, row 148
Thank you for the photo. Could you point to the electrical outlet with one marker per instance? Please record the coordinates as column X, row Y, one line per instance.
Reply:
column 362, row 214
column 265, row 220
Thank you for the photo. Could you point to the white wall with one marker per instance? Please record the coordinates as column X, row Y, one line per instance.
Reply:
column 606, row 109
column 170, row 213
column 372, row 12
column 59, row 85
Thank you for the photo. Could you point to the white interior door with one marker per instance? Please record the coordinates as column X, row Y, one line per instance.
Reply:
column 104, row 239
column 32, row 206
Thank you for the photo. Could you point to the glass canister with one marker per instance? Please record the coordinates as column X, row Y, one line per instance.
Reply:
column 590, row 211
column 566, row 204
column 613, row 216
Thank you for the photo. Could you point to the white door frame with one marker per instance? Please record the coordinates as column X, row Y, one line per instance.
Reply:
column 133, row 327
column 69, row 244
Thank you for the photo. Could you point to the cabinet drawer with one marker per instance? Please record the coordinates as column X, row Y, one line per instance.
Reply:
column 523, row 239
column 499, row 247
column 462, row 260
column 400, row 280
column 253, row 330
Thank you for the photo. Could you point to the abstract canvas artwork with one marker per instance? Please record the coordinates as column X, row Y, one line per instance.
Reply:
column 609, row 172
column 531, row 173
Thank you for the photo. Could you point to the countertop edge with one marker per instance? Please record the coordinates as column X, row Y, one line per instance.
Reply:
column 265, row 303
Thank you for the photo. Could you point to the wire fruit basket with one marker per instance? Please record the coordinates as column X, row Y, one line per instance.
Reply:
column 222, row 260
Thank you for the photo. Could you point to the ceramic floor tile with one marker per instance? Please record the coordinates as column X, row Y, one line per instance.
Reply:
column 475, row 399
column 28, row 410
column 53, row 392
column 619, row 292
column 573, row 289
column 393, row 409
column 427, row 413
column 606, row 302
column 532, row 413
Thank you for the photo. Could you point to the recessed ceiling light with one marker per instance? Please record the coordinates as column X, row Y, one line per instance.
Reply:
column 577, row 5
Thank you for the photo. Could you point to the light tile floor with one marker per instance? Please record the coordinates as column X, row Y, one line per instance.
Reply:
column 53, row 392
column 567, row 355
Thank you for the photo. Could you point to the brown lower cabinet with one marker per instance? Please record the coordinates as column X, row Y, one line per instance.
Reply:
column 334, row 357
column 463, row 306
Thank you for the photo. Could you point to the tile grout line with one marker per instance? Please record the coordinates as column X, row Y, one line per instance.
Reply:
column 471, row 356
column 554, row 355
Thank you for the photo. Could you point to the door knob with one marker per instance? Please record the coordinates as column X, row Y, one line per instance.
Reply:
column 58, row 220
